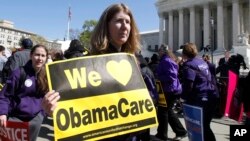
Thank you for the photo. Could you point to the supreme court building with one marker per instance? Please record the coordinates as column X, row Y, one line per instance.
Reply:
column 205, row 22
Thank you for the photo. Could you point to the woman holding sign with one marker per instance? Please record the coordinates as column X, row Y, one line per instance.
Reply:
column 21, row 97
column 115, row 32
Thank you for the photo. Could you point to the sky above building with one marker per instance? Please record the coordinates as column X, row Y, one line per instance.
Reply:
column 49, row 18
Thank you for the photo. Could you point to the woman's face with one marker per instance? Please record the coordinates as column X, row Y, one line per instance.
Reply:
column 119, row 29
column 39, row 58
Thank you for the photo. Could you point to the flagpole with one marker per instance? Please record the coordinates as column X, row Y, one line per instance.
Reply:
column 69, row 19
column 68, row 30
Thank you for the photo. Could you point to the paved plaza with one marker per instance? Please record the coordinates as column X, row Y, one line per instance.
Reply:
column 219, row 126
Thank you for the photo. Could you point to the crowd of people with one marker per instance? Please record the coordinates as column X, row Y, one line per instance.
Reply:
column 189, row 78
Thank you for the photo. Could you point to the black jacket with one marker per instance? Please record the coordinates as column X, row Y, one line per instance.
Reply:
column 223, row 68
column 72, row 52
column 15, row 61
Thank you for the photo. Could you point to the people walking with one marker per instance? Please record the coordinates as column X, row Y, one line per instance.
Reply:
column 167, row 74
column 198, row 88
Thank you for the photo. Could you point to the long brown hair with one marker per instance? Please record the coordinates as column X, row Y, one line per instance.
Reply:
column 168, row 52
column 100, row 36
column 42, row 82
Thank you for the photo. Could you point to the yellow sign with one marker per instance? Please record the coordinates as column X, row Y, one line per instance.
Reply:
column 162, row 100
column 1, row 86
column 101, row 96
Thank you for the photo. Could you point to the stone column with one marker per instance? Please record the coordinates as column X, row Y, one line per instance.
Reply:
column 181, row 30
column 206, row 25
column 248, row 17
column 192, row 25
column 170, row 29
column 236, row 21
column 165, row 33
column 220, row 26
column 227, row 30
column 161, row 32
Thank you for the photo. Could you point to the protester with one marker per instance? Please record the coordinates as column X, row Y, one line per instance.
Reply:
column 21, row 97
column 154, row 62
column 18, row 59
column 147, row 59
column 148, row 77
column 235, row 62
column 222, row 69
column 178, row 105
column 75, row 49
column 149, row 80
column 198, row 89
column 211, row 66
column 212, row 69
column 3, row 60
column 115, row 32
column 246, row 98
column 180, row 62
column 223, row 66
column 55, row 54
column 167, row 73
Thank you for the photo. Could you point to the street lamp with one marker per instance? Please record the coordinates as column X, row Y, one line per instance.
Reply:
column 212, row 38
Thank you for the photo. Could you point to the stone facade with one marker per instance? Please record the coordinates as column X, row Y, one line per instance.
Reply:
column 149, row 42
column 205, row 22
column 10, row 36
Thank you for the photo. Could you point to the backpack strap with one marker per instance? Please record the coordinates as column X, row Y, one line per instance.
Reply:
column 21, row 79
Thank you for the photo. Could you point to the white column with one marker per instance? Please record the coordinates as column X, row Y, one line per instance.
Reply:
column 227, row 30
column 170, row 30
column 206, row 25
column 192, row 24
column 181, row 30
column 236, row 21
column 220, row 26
column 248, row 17
column 161, row 27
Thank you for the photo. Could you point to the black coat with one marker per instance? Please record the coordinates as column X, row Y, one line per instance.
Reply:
column 223, row 68
column 72, row 52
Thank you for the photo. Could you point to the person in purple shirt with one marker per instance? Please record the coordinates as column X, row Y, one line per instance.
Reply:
column 167, row 74
column 21, row 96
column 198, row 87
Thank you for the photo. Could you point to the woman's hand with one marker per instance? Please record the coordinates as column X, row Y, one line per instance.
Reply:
column 3, row 120
column 49, row 102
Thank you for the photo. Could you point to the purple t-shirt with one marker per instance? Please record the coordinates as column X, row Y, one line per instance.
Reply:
column 197, row 71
